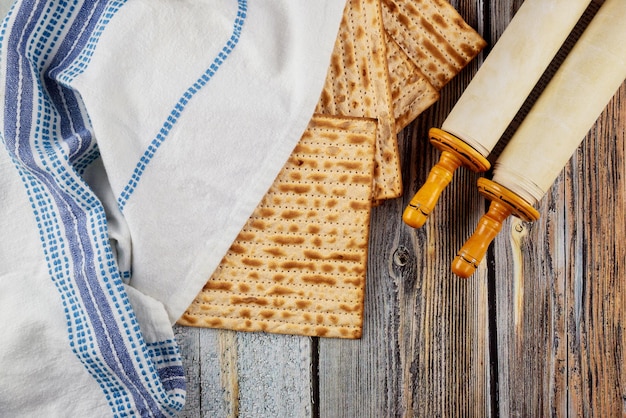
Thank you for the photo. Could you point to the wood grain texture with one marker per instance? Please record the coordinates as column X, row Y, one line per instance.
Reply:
column 561, row 304
column 232, row 374
column 537, row 331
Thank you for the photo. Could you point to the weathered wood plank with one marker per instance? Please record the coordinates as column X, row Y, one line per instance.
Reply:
column 210, row 361
column 596, row 303
column 234, row 374
column 532, row 365
column 189, row 343
column 275, row 376
column 425, row 346
column 561, row 295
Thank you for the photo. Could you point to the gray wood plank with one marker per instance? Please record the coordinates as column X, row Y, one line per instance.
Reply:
column 210, row 362
column 189, row 344
column 275, row 377
column 424, row 349
column 234, row 374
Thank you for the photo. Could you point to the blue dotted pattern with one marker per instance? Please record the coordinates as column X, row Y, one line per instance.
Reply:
column 178, row 109
column 103, row 332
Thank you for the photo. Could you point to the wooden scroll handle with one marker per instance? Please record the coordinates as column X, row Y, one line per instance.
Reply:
column 455, row 153
column 503, row 204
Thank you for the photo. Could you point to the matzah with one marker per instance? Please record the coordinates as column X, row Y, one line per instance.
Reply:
column 411, row 92
column 389, row 62
column 299, row 264
column 358, row 85
column 433, row 35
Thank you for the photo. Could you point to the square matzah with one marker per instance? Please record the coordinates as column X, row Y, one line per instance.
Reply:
column 299, row 264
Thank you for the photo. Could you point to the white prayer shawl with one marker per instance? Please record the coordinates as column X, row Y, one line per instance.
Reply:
column 137, row 138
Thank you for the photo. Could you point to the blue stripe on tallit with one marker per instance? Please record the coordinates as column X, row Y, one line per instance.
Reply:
column 168, row 360
column 92, row 296
column 55, row 200
column 66, row 103
column 71, row 220
column 175, row 113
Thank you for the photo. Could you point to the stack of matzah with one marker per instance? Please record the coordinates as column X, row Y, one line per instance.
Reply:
column 299, row 264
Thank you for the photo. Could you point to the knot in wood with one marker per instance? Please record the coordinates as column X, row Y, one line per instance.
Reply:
column 401, row 256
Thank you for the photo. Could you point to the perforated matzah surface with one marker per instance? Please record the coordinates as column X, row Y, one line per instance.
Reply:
column 357, row 85
column 299, row 264
column 433, row 35
column 411, row 93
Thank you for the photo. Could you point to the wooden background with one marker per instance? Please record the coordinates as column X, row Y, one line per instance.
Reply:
column 537, row 331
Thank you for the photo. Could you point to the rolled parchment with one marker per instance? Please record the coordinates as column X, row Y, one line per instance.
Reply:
column 553, row 129
column 495, row 95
